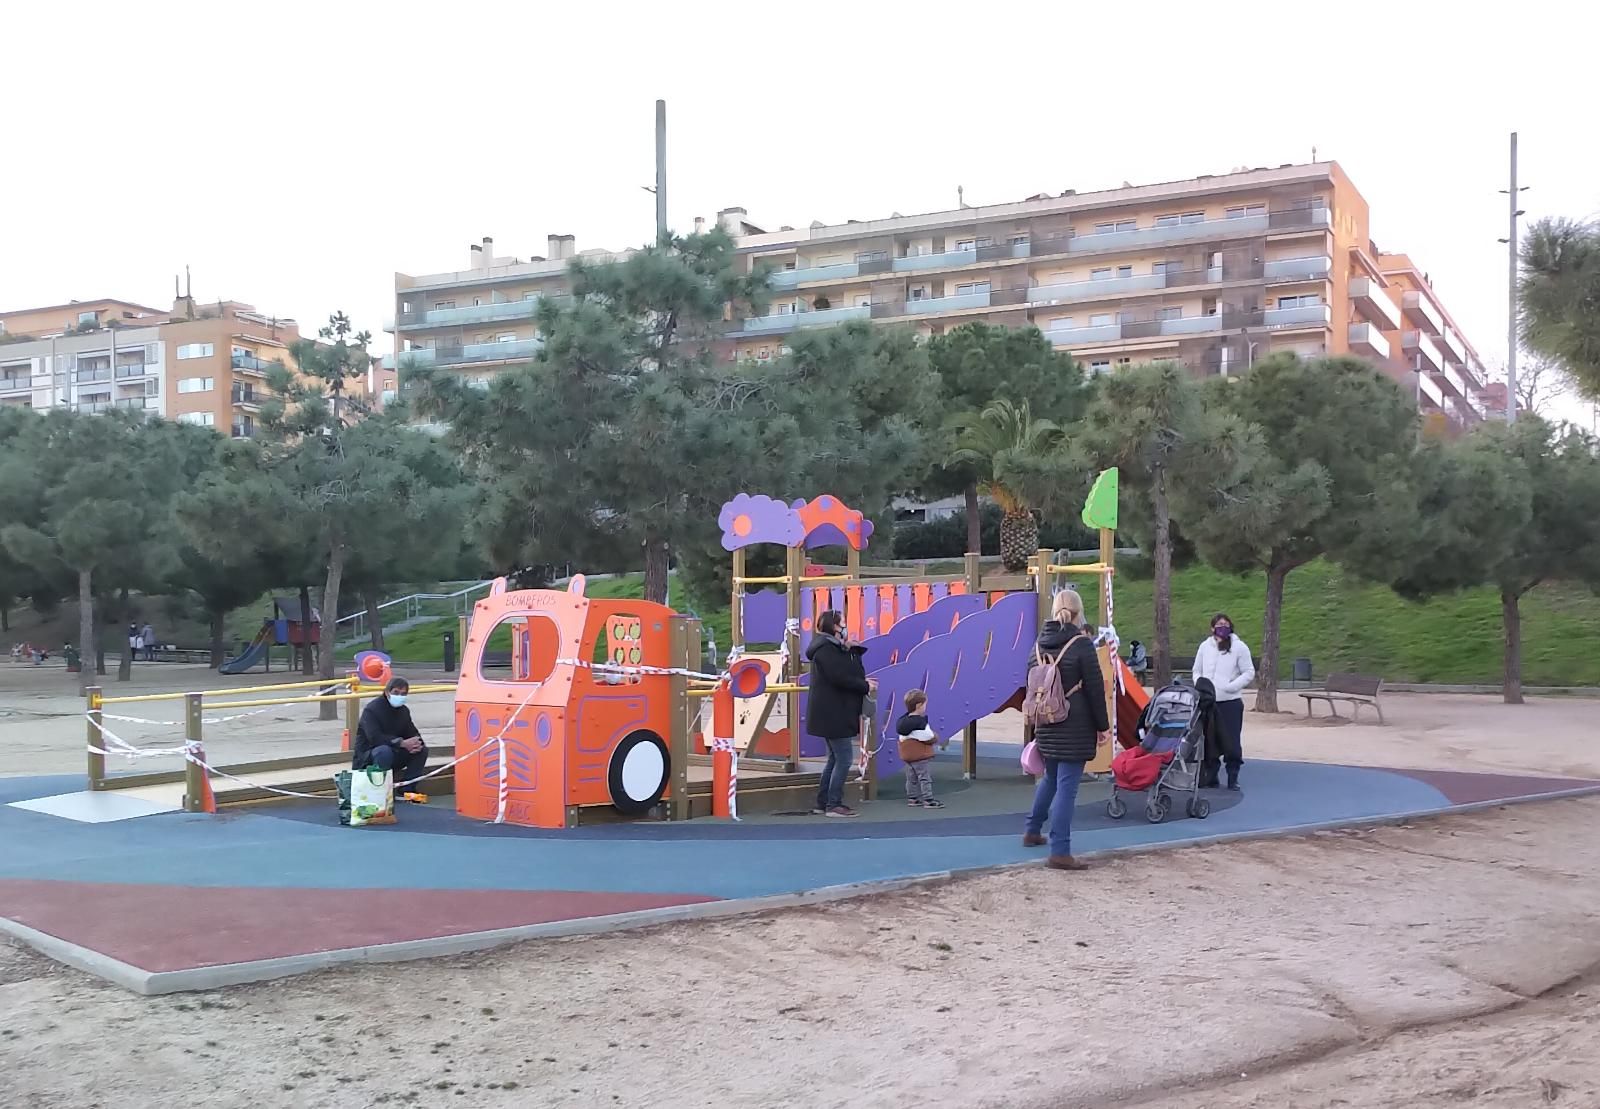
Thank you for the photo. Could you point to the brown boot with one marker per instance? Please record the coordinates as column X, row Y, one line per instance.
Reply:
column 1065, row 862
column 1033, row 839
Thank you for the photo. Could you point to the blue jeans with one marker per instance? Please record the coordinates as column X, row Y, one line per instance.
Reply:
column 1054, row 800
column 830, row 790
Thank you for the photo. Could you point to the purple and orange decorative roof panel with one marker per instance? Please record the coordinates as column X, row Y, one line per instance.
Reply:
column 824, row 521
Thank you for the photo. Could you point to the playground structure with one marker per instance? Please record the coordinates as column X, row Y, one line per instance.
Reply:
column 286, row 627
column 600, row 714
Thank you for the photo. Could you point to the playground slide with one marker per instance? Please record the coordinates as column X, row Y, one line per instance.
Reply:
column 253, row 656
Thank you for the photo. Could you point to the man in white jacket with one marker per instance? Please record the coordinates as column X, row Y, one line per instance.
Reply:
column 1225, row 661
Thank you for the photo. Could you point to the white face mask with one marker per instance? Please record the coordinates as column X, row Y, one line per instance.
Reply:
column 398, row 700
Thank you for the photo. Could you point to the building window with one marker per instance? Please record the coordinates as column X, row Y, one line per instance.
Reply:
column 1244, row 211
column 195, row 384
column 1193, row 217
column 919, row 293
column 1113, row 226
column 1167, row 267
column 782, row 309
column 972, row 288
column 1173, row 312
column 1019, row 240
column 152, row 387
column 1124, row 271
column 1167, row 221
column 764, row 354
column 1102, row 366
column 863, row 300
column 203, row 419
column 1309, row 300
column 88, row 317
column 1101, row 319
column 530, row 296
column 196, row 350
column 439, row 305
column 506, row 337
column 1100, row 273
column 872, row 256
column 1124, row 362
column 477, row 302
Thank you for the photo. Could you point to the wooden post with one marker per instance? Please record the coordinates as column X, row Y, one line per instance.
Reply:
column 97, row 761
column 853, row 565
column 352, row 719
column 1108, row 655
column 682, row 632
column 736, row 617
column 969, row 738
column 194, row 775
column 794, row 574
column 1043, row 582
column 721, row 761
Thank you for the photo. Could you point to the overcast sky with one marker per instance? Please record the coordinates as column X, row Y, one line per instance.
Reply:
column 295, row 155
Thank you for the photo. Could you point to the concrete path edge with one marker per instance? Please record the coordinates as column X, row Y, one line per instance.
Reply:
column 153, row 983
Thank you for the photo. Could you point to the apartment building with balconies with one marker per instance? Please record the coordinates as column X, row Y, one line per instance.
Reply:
column 95, row 371
column 1213, row 272
column 203, row 364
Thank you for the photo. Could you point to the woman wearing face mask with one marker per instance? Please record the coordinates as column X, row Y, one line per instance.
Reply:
column 1225, row 661
column 386, row 737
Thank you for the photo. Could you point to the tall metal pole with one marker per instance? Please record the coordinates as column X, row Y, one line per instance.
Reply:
column 661, row 170
column 1511, row 324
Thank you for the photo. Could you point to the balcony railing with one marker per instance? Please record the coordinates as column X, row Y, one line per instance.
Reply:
column 249, row 363
column 244, row 431
column 1417, row 346
column 1299, row 269
column 1373, row 303
column 1428, row 388
column 1454, row 349
column 20, row 381
column 1308, row 315
column 1367, row 340
column 135, row 402
column 135, row 369
column 246, row 397
column 470, row 353
column 93, row 406
column 953, row 303
column 471, row 313
column 101, row 373
column 788, row 321
column 1080, row 336
column 1420, row 310
column 788, row 279
column 1112, row 287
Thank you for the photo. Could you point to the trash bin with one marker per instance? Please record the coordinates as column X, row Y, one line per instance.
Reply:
column 1301, row 672
column 449, row 652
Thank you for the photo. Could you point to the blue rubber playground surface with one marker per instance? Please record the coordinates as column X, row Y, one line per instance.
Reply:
column 181, row 901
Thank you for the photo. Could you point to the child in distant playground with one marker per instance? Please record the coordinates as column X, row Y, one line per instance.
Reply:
column 916, row 751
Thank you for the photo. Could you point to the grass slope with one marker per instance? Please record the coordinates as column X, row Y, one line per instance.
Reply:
column 1336, row 621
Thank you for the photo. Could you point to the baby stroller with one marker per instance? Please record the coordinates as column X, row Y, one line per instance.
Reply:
column 1174, row 722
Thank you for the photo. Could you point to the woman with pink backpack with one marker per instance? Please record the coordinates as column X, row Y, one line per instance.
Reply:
column 1066, row 704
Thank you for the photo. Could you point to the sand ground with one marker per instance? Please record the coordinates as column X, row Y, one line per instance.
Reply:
column 1450, row 961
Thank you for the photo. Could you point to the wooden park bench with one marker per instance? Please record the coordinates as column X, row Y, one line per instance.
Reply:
column 1355, row 689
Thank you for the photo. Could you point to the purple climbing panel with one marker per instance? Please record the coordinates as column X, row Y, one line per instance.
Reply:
column 967, row 673
column 764, row 613
column 893, row 645
column 968, row 670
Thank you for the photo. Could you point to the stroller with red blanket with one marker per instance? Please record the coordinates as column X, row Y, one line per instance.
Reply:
column 1166, row 763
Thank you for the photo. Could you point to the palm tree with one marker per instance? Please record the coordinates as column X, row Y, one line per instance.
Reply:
column 1003, row 433
column 1559, row 292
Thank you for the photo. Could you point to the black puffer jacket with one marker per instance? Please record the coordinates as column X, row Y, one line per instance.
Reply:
column 381, row 725
column 1074, row 739
column 838, row 689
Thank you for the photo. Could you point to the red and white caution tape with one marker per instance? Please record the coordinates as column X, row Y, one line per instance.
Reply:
column 726, row 743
